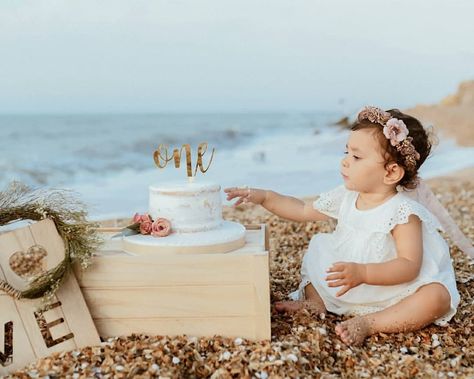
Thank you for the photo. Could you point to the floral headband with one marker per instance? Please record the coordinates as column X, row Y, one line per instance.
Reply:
column 395, row 130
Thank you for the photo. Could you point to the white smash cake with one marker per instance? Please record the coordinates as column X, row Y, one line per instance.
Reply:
column 195, row 213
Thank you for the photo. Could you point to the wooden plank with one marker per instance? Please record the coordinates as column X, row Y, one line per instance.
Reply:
column 267, row 237
column 171, row 301
column 261, row 271
column 86, row 332
column 27, row 309
column 76, row 312
column 46, row 232
column 167, row 270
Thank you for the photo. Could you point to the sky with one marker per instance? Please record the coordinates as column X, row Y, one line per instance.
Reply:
column 115, row 56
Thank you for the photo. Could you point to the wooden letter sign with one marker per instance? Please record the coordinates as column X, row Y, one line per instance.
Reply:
column 27, row 334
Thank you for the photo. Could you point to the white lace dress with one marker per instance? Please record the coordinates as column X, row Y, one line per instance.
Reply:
column 363, row 236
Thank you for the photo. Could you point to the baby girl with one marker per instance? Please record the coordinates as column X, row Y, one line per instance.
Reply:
column 385, row 264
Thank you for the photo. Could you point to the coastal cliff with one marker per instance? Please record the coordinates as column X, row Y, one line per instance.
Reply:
column 452, row 116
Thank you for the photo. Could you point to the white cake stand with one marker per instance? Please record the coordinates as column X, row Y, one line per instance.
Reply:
column 227, row 237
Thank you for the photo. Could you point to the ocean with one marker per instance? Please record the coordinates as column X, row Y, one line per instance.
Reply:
column 108, row 159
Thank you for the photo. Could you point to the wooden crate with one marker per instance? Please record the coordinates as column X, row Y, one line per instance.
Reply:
column 170, row 294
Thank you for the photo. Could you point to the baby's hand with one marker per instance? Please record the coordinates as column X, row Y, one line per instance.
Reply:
column 346, row 274
column 245, row 195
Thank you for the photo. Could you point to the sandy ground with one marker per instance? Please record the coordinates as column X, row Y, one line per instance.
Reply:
column 304, row 344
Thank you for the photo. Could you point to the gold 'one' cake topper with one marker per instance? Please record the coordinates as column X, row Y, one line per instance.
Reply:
column 162, row 158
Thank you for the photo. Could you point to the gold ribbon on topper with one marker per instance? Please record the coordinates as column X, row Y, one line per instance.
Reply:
column 161, row 157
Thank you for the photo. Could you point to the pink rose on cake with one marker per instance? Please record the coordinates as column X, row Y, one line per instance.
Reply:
column 144, row 224
column 161, row 227
column 141, row 218
column 146, row 227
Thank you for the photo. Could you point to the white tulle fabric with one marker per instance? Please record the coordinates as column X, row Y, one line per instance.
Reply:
column 425, row 196
column 364, row 237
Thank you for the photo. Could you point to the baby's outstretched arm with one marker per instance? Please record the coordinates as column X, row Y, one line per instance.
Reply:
column 283, row 206
column 404, row 268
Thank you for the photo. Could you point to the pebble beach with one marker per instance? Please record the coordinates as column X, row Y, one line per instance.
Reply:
column 304, row 344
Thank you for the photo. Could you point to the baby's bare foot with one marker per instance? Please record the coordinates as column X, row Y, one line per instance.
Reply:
column 354, row 331
column 294, row 306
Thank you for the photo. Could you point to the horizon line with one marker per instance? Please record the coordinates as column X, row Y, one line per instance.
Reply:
column 184, row 112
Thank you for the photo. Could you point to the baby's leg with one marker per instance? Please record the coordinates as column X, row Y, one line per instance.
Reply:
column 313, row 302
column 427, row 304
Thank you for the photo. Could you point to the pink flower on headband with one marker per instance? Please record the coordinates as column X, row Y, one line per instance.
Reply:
column 395, row 130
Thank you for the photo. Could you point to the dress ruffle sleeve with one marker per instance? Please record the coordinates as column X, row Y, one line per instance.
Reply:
column 408, row 207
column 330, row 202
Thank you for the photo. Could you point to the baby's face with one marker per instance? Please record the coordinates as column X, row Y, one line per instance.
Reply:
column 363, row 167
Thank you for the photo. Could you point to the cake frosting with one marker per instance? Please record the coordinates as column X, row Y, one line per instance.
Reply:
column 190, row 207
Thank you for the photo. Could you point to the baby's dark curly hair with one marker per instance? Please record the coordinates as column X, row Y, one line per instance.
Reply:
column 422, row 141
